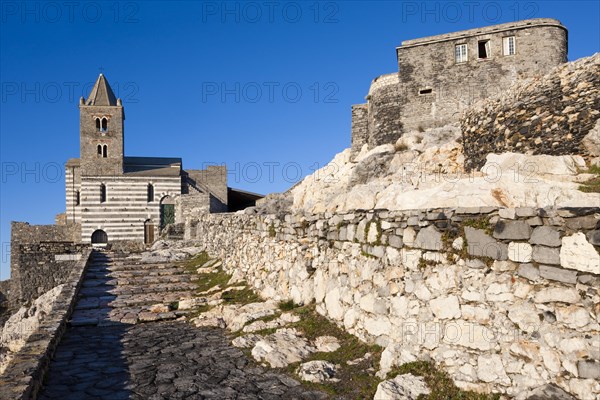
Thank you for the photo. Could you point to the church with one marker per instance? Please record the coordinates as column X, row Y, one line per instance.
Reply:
column 114, row 197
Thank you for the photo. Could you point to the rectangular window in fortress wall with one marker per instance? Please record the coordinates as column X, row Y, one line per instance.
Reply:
column 460, row 53
column 508, row 43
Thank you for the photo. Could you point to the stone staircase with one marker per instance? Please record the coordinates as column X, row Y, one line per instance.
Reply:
column 120, row 289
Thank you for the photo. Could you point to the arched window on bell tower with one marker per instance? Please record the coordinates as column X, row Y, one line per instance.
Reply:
column 104, row 151
column 99, row 150
column 104, row 125
column 98, row 124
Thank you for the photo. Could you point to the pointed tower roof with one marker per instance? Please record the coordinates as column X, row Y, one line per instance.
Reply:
column 101, row 94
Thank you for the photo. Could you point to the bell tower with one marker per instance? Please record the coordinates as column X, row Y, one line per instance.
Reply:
column 101, row 125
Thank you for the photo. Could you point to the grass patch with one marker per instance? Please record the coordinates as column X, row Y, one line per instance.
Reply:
column 210, row 280
column 592, row 185
column 243, row 296
column 356, row 381
column 198, row 311
column 441, row 385
column 480, row 223
column 287, row 305
column 197, row 261
column 272, row 231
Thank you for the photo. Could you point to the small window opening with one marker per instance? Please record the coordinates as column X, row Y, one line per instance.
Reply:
column 150, row 193
column 104, row 151
column 426, row 91
column 104, row 127
column 460, row 53
column 483, row 48
column 99, row 150
column 77, row 198
column 509, row 46
column 102, row 193
column 98, row 124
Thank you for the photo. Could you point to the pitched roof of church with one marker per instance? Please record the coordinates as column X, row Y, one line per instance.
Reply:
column 101, row 94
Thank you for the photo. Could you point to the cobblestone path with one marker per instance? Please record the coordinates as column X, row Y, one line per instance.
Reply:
column 115, row 348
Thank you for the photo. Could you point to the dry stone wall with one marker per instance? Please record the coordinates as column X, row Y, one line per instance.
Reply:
column 546, row 115
column 24, row 376
column 503, row 299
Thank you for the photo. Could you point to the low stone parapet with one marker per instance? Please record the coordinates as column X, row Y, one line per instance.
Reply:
column 24, row 376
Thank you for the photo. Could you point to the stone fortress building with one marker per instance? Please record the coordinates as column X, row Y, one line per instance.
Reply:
column 439, row 76
column 114, row 197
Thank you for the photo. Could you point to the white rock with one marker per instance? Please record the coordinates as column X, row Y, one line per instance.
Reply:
column 470, row 335
column 327, row 344
column 490, row 368
column 334, row 305
column 402, row 387
column 565, row 295
column 577, row 253
column 573, row 316
column 520, row 252
column 246, row 341
column 282, row 348
column 445, row 307
column 317, row 371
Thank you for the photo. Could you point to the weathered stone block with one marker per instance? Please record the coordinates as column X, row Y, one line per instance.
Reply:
column 577, row 253
column 429, row 239
column 480, row 244
column 546, row 255
column 512, row 230
column 529, row 271
column 585, row 222
column 545, row 236
column 588, row 369
column 507, row 213
column 520, row 252
column 558, row 274
column 526, row 212
column 594, row 236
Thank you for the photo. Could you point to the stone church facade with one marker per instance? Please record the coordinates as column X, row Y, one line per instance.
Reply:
column 440, row 76
column 114, row 197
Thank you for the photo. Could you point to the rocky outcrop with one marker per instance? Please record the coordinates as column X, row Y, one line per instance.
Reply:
column 21, row 325
column 402, row 387
column 409, row 176
column 552, row 114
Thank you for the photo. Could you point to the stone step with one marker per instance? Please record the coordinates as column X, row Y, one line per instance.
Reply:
column 112, row 316
column 136, row 289
column 135, row 300
column 130, row 267
column 103, row 281
column 98, row 274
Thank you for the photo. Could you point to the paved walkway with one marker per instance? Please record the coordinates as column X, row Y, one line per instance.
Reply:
column 108, row 352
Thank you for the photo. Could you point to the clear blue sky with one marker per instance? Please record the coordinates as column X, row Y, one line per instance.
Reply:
column 265, row 87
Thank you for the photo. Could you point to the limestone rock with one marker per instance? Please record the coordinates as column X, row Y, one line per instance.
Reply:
column 479, row 244
column 546, row 255
column 246, row 341
column 317, row 371
column 512, row 230
column 520, row 252
column 549, row 392
column 490, row 368
column 282, row 348
column 545, row 236
column 429, row 239
column 327, row 344
column 548, row 295
column 445, row 307
column 577, row 253
column 402, row 387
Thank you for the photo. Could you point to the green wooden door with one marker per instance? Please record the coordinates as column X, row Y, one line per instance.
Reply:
column 167, row 214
